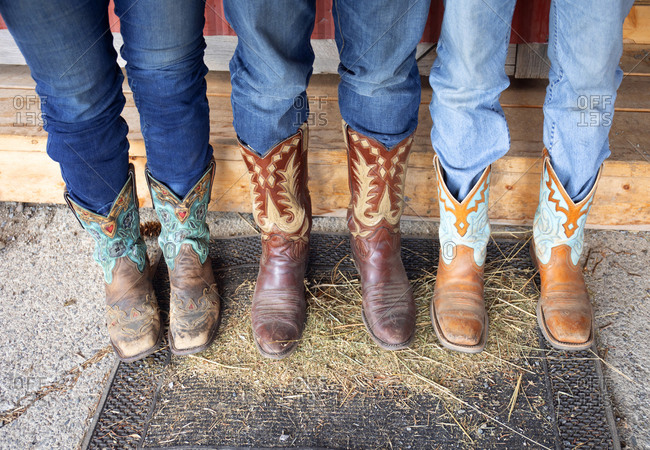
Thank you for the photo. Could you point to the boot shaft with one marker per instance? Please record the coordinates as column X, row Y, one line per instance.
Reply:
column 279, row 191
column 463, row 223
column 183, row 221
column 117, row 234
column 558, row 220
column 377, row 177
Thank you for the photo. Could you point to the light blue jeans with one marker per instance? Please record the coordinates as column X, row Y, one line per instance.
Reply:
column 379, row 92
column 469, row 128
column 69, row 49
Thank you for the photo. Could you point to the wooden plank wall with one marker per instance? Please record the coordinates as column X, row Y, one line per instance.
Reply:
column 636, row 28
column 623, row 199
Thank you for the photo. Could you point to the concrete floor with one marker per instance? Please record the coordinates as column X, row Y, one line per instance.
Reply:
column 54, row 351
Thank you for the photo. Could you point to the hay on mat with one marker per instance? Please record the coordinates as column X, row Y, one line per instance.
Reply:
column 336, row 348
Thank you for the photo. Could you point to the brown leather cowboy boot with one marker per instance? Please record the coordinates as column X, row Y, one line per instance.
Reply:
column 376, row 177
column 282, row 210
column 194, row 301
column 458, row 307
column 564, row 312
column 132, row 314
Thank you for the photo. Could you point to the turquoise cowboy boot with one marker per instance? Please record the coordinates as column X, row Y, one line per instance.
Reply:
column 194, row 301
column 132, row 314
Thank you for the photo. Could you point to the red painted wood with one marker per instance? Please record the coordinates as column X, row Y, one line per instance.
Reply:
column 113, row 20
column 529, row 24
column 324, row 26
column 215, row 20
column 434, row 22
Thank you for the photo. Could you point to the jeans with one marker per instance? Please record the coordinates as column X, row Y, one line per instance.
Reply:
column 469, row 128
column 68, row 47
column 379, row 92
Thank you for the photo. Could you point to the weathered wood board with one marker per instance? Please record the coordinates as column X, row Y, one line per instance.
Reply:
column 623, row 199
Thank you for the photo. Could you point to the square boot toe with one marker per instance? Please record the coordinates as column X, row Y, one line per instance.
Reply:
column 573, row 327
column 465, row 330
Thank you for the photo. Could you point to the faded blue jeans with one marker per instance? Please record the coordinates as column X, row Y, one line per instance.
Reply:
column 469, row 128
column 379, row 91
column 69, row 50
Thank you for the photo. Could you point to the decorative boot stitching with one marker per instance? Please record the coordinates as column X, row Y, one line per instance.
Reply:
column 117, row 234
column 134, row 322
column 378, row 177
column 183, row 221
column 464, row 223
column 558, row 220
column 278, row 188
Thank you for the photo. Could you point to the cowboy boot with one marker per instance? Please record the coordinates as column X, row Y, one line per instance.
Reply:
column 458, row 307
column 193, row 301
column 564, row 311
column 282, row 210
column 132, row 314
column 376, row 178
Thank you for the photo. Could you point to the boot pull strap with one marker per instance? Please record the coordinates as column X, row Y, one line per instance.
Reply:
column 134, row 187
column 68, row 200
column 148, row 177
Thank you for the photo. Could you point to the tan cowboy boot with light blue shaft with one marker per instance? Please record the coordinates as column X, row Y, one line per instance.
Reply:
column 458, row 307
column 132, row 314
column 194, row 301
column 564, row 312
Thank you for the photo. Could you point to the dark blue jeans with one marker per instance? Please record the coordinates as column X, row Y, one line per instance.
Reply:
column 379, row 92
column 68, row 46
